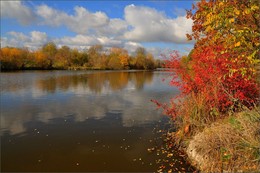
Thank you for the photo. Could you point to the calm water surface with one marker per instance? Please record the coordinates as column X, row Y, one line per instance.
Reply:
column 82, row 120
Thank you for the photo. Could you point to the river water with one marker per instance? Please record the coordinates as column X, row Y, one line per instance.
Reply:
column 62, row 121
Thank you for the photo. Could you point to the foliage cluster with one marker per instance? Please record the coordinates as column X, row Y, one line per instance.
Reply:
column 51, row 57
column 218, row 78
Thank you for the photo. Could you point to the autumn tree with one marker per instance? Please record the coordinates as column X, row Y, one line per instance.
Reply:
column 13, row 58
column 150, row 62
column 78, row 59
column 114, row 62
column 227, row 35
column 50, row 50
column 118, row 58
column 62, row 58
column 41, row 60
column 218, row 85
column 218, row 77
column 144, row 60
column 232, row 24
column 140, row 58
column 96, row 57
column 94, row 53
column 132, row 62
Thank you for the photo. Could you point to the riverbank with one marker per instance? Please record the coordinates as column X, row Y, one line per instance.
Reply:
column 231, row 144
column 79, row 69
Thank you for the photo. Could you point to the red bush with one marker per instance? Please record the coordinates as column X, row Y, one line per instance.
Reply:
column 210, row 75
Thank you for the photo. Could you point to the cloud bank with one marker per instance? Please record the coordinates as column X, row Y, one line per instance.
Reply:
column 140, row 24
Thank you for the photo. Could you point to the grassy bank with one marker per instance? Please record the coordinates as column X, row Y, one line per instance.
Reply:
column 215, row 141
column 231, row 144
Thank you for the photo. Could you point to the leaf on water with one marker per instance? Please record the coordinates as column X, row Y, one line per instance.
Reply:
column 171, row 164
column 150, row 149
column 159, row 170
column 169, row 155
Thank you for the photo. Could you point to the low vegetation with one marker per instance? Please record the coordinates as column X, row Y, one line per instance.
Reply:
column 216, row 117
column 94, row 58
column 230, row 144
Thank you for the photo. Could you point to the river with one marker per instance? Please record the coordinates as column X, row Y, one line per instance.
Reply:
column 62, row 121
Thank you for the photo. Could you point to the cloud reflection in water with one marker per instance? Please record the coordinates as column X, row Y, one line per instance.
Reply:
column 44, row 96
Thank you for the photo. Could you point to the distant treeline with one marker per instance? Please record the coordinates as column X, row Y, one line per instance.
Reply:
column 94, row 58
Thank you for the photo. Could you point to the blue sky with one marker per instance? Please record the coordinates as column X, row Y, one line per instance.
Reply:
column 159, row 26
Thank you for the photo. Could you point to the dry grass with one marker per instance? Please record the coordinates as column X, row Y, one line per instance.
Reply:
column 231, row 144
column 195, row 116
column 218, row 142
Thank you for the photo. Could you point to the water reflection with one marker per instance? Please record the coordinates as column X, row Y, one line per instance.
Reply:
column 97, row 82
column 67, row 145
column 84, row 95
column 44, row 115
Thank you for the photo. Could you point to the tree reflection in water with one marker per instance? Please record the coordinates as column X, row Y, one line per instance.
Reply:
column 96, row 82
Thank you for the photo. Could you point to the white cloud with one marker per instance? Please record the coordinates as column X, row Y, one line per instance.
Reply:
column 131, row 46
column 78, row 40
column 147, row 24
column 16, row 39
column 109, row 42
column 19, row 36
column 139, row 25
column 115, row 28
column 81, row 22
column 18, row 11
column 150, row 25
column 32, row 41
column 86, row 41
column 38, row 37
